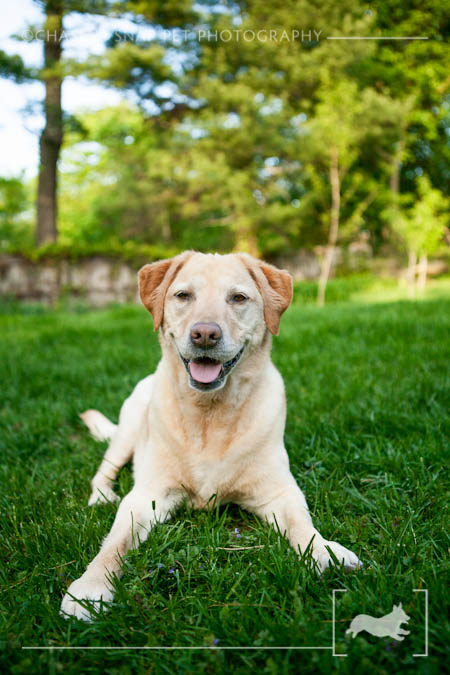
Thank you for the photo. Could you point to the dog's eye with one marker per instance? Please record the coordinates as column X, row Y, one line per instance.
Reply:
column 183, row 295
column 239, row 298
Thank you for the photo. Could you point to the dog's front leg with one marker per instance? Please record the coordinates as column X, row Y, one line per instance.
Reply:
column 289, row 512
column 137, row 513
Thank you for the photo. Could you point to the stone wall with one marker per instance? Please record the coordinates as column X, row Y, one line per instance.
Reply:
column 303, row 265
column 96, row 280
column 99, row 281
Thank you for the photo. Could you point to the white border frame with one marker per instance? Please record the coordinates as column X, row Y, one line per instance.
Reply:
column 424, row 590
column 250, row 648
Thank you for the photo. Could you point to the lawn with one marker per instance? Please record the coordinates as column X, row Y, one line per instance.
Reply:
column 367, row 434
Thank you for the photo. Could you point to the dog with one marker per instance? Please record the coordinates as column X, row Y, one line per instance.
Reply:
column 385, row 626
column 209, row 421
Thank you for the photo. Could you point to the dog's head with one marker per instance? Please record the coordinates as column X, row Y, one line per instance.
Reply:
column 400, row 613
column 214, row 309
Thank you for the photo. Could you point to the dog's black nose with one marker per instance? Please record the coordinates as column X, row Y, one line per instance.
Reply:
column 205, row 334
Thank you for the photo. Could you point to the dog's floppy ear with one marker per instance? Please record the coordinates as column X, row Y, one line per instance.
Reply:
column 155, row 279
column 275, row 287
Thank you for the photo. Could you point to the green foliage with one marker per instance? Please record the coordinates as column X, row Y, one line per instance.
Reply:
column 345, row 123
column 417, row 68
column 367, row 430
column 420, row 224
column 15, row 215
column 12, row 67
column 126, row 183
column 431, row 216
column 130, row 251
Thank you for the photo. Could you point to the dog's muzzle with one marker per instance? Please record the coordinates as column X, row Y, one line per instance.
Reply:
column 207, row 374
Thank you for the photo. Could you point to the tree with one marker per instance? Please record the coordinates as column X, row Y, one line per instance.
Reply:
column 51, row 75
column 419, row 224
column 55, row 68
column 431, row 214
column 420, row 69
column 261, row 95
column 345, row 121
column 254, row 91
column 52, row 134
column 171, row 192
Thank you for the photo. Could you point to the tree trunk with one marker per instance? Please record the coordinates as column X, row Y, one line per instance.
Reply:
column 422, row 275
column 411, row 274
column 52, row 134
column 394, row 181
column 334, row 226
column 245, row 238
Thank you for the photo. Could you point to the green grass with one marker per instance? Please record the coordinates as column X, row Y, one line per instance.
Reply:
column 367, row 288
column 367, row 435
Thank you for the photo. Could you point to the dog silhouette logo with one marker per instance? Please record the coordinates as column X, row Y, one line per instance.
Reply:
column 385, row 626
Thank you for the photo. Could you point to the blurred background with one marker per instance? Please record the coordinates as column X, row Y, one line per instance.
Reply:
column 313, row 134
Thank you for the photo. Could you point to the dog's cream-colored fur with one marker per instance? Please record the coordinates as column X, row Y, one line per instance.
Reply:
column 192, row 444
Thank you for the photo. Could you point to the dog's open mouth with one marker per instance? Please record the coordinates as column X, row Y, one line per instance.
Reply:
column 206, row 373
column 205, row 370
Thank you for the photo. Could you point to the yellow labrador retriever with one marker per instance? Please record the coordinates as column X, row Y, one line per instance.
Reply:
column 209, row 421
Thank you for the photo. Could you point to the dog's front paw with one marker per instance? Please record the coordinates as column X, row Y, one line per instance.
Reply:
column 102, row 494
column 92, row 591
column 324, row 559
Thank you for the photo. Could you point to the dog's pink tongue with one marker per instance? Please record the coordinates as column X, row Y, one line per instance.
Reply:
column 204, row 372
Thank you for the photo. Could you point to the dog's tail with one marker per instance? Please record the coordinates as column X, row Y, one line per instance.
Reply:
column 101, row 428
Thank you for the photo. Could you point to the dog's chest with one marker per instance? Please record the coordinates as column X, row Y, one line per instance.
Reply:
column 209, row 447
column 212, row 478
